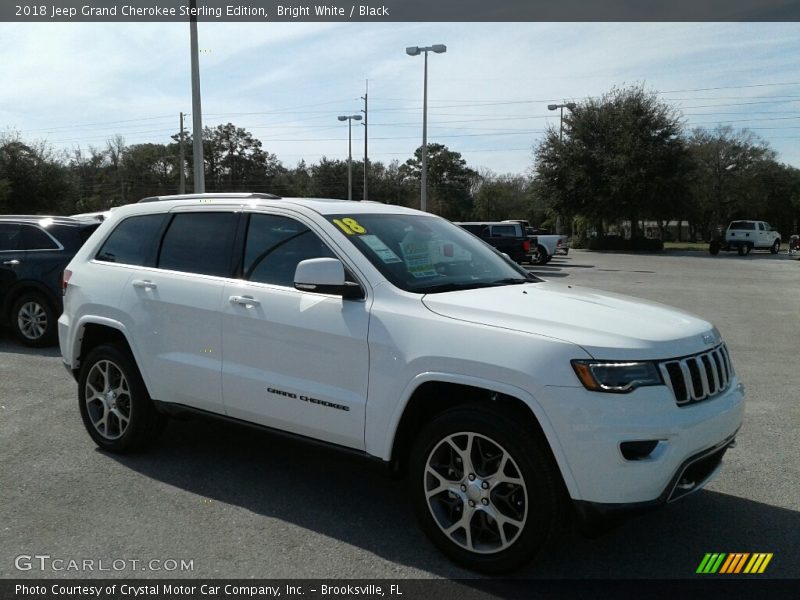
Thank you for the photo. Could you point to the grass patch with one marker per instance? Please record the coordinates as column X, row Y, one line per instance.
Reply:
column 697, row 246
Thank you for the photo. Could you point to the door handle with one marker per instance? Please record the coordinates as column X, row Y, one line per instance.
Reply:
column 143, row 284
column 12, row 263
column 246, row 301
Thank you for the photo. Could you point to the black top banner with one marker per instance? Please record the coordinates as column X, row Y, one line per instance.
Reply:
column 399, row 10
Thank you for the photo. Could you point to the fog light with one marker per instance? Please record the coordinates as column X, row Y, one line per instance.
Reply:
column 637, row 450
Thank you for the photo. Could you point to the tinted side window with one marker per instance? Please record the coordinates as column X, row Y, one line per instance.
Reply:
column 34, row 238
column 742, row 225
column 131, row 243
column 274, row 247
column 10, row 237
column 504, row 231
column 199, row 243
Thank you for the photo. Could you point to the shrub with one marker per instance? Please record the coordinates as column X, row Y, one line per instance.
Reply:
column 620, row 244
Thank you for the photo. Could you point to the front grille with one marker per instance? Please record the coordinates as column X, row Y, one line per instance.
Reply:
column 698, row 377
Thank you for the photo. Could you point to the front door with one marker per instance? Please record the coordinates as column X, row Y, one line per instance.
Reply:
column 293, row 360
column 12, row 257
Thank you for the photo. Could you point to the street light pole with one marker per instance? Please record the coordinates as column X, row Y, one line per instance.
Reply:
column 197, row 113
column 416, row 51
column 561, row 107
column 349, row 119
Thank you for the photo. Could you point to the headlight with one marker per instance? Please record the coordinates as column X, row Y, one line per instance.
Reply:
column 616, row 377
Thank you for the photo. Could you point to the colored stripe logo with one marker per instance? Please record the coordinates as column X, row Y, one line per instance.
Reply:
column 734, row 563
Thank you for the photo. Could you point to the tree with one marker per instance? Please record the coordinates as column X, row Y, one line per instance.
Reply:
column 621, row 157
column 329, row 179
column 32, row 180
column 149, row 170
column 725, row 184
column 502, row 197
column 450, row 181
column 234, row 160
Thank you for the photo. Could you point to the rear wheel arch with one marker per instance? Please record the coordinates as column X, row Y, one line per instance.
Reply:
column 92, row 335
column 28, row 287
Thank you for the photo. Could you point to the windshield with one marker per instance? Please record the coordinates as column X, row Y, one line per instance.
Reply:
column 426, row 254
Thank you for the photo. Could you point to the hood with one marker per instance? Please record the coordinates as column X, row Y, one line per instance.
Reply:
column 608, row 326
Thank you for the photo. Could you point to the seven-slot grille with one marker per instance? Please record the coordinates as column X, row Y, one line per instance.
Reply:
column 697, row 377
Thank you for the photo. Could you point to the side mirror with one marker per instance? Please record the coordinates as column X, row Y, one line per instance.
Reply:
column 325, row 276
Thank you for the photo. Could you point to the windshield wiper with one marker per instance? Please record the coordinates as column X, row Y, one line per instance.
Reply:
column 470, row 285
column 452, row 287
column 512, row 281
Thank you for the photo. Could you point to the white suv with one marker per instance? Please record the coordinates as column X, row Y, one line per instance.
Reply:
column 506, row 399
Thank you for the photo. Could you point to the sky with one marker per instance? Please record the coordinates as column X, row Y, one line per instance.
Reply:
column 79, row 84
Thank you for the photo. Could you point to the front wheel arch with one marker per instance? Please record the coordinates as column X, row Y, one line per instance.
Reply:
column 431, row 398
column 491, row 505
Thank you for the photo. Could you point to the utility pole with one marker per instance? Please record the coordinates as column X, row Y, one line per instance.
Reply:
column 197, row 113
column 366, row 159
column 349, row 119
column 182, row 162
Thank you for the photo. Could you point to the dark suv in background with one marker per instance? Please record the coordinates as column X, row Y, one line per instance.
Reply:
column 34, row 250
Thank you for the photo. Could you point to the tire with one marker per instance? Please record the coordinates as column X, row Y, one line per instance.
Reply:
column 526, row 495
column 120, row 417
column 744, row 250
column 713, row 248
column 540, row 257
column 34, row 320
column 776, row 247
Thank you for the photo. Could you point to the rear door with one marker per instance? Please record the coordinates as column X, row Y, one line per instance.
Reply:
column 294, row 360
column 174, row 308
column 46, row 259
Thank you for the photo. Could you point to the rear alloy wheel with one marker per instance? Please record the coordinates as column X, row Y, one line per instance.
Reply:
column 776, row 247
column 114, row 403
column 33, row 320
column 744, row 250
column 484, row 490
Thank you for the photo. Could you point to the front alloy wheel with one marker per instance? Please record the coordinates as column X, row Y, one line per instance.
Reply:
column 476, row 492
column 485, row 488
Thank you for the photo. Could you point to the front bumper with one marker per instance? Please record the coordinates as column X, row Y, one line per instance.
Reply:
column 692, row 476
column 592, row 429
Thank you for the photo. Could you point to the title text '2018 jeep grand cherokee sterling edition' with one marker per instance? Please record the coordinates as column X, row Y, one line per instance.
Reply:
column 393, row 332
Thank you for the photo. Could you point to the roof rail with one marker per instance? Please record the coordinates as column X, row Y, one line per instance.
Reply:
column 237, row 195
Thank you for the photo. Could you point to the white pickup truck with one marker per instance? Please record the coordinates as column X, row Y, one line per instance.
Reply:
column 509, row 402
column 744, row 236
column 546, row 245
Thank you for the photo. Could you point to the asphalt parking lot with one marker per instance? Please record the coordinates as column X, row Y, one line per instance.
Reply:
column 241, row 503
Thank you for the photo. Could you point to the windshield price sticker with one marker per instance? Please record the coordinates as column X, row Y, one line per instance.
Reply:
column 383, row 251
column 350, row 226
column 418, row 259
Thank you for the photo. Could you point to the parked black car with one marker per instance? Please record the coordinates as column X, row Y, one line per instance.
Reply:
column 509, row 238
column 34, row 251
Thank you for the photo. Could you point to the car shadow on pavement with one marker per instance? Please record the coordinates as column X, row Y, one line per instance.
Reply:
column 352, row 499
column 8, row 343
